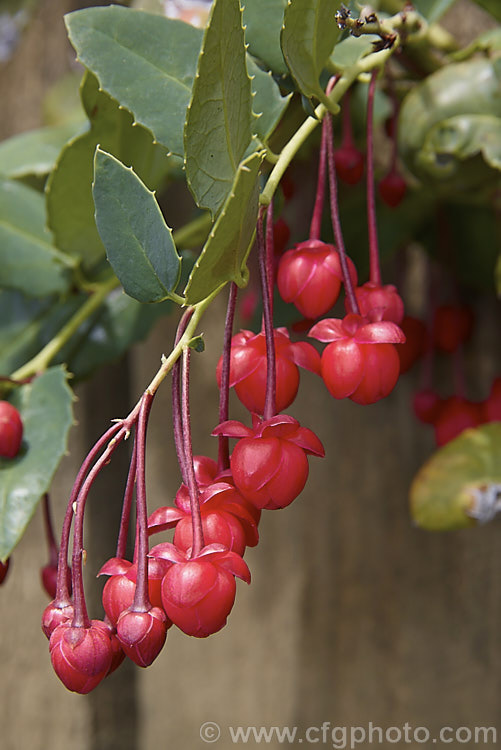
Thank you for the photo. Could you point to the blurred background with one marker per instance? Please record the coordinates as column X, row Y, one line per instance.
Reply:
column 353, row 615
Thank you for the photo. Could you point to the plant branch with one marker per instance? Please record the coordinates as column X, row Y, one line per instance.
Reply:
column 42, row 360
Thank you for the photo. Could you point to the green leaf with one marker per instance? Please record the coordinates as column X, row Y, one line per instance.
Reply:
column 308, row 37
column 28, row 260
column 460, row 138
column 268, row 103
column 225, row 252
column 197, row 343
column 465, row 88
column 144, row 61
column 69, row 190
column 443, row 492
column 219, row 121
column 497, row 275
column 138, row 242
column 46, row 410
column 491, row 6
column 35, row 152
column 352, row 49
column 263, row 20
column 433, row 10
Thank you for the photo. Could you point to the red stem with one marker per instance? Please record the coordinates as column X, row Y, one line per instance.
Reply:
column 127, row 504
column 336, row 223
column 81, row 618
column 196, row 518
column 223, row 461
column 316, row 219
column 176, row 400
column 271, row 383
column 141, row 599
column 62, row 592
column 375, row 269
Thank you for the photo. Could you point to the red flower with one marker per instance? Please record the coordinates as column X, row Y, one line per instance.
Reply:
column 198, row 592
column 248, row 367
column 310, row 276
column 361, row 362
column 269, row 464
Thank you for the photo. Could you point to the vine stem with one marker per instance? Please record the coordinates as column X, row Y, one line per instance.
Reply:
column 365, row 65
column 336, row 223
column 41, row 361
column 141, row 601
column 196, row 518
column 375, row 267
column 271, row 378
column 62, row 593
column 81, row 617
column 176, row 401
column 316, row 219
column 127, row 505
column 194, row 231
column 223, row 459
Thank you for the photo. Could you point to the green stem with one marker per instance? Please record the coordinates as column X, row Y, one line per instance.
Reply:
column 42, row 360
column 191, row 233
column 183, row 343
column 365, row 65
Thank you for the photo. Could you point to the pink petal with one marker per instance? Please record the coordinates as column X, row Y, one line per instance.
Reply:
column 233, row 429
column 305, row 355
column 164, row 518
column 168, row 551
column 308, row 441
column 114, row 566
column 328, row 329
column 232, row 562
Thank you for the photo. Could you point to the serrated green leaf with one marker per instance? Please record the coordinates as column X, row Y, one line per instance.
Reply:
column 309, row 34
column 69, row 190
column 225, row 252
column 443, row 491
column 28, row 261
column 263, row 20
column 35, row 152
column 352, row 49
column 268, row 103
column 142, row 60
column 138, row 242
column 433, row 10
column 491, row 6
column 46, row 411
column 219, row 121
